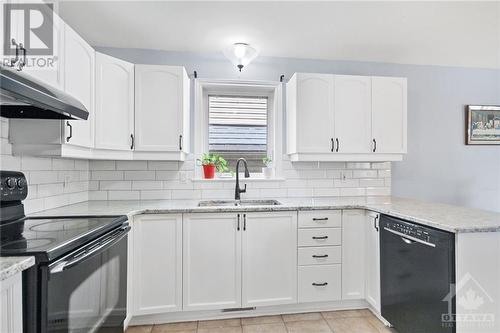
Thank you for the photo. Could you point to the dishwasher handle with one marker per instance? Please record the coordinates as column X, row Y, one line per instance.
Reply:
column 409, row 239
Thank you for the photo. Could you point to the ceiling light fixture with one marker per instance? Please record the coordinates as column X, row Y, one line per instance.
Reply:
column 241, row 54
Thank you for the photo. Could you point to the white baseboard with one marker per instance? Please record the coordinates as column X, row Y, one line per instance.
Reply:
column 163, row 318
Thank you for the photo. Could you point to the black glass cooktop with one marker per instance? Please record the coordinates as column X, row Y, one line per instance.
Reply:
column 50, row 237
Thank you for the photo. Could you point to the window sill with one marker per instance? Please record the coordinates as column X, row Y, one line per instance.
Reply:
column 252, row 178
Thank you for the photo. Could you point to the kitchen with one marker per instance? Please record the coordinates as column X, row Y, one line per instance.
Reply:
column 206, row 170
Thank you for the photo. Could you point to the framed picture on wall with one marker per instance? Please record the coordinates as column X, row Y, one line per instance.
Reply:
column 483, row 125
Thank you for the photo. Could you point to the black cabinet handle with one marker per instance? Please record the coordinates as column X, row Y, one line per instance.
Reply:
column 132, row 142
column 180, row 142
column 331, row 145
column 375, row 223
column 320, row 218
column 320, row 256
column 374, row 145
column 337, row 140
column 238, row 227
column 70, row 131
column 320, row 284
column 320, row 237
column 244, row 222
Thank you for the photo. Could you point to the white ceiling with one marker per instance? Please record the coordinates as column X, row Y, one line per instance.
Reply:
column 429, row 33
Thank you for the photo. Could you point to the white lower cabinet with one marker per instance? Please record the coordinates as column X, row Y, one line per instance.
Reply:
column 372, row 259
column 353, row 254
column 269, row 258
column 211, row 261
column 11, row 304
column 156, row 264
column 240, row 260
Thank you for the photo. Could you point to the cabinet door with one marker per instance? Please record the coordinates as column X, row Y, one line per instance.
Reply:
column 352, row 114
column 269, row 250
column 160, row 96
column 49, row 68
column 11, row 304
column 114, row 119
column 315, row 128
column 157, row 264
column 372, row 259
column 79, row 72
column 212, row 261
column 353, row 254
column 389, row 114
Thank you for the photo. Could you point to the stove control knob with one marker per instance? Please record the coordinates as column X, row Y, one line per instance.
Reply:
column 21, row 183
column 10, row 183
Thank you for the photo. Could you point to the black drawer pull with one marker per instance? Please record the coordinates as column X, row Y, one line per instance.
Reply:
column 320, row 218
column 320, row 237
column 320, row 255
column 320, row 284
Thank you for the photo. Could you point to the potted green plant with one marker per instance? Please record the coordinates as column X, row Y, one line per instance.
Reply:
column 268, row 170
column 211, row 163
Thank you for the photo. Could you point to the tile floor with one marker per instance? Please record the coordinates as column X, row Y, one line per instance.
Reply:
column 352, row 321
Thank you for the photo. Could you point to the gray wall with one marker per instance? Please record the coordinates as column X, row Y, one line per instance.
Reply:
column 438, row 166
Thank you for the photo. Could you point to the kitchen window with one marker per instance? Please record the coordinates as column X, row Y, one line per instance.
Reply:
column 236, row 119
column 238, row 127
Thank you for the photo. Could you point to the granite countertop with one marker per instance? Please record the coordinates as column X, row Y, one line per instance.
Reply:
column 441, row 216
column 10, row 266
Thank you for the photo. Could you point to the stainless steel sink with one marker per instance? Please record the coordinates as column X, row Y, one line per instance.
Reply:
column 225, row 203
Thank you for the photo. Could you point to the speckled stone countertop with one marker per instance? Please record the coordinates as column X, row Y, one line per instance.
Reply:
column 10, row 266
column 441, row 216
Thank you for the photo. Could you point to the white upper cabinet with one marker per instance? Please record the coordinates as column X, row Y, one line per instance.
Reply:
column 310, row 113
column 161, row 109
column 345, row 118
column 269, row 250
column 211, row 261
column 389, row 114
column 156, row 262
column 352, row 114
column 114, row 117
column 79, row 74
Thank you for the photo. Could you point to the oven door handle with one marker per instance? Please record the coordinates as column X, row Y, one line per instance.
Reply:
column 88, row 252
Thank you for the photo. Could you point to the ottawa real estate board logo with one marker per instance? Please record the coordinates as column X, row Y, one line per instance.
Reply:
column 29, row 24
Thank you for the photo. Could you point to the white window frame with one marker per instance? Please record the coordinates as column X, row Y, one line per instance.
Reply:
column 272, row 90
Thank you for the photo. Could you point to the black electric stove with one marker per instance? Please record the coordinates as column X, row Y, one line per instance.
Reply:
column 48, row 238
column 79, row 281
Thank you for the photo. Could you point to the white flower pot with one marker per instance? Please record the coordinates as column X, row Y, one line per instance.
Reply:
column 268, row 172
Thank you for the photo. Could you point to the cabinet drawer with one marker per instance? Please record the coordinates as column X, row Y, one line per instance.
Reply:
column 322, row 255
column 320, row 218
column 320, row 237
column 319, row 283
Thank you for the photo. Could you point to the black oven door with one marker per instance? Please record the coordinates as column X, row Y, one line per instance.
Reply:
column 87, row 289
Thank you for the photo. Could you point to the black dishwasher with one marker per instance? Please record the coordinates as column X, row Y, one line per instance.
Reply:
column 417, row 268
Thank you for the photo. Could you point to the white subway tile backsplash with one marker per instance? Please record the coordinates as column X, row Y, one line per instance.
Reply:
column 139, row 175
column 146, row 185
column 156, row 194
column 103, row 165
column 116, row 185
column 378, row 182
column 186, row 194
column 358, row 165
column 106, row 175
column 299, row 192
column 378, row 191
column 364, row 173
column 326, row 192
column 167, row 175
column 63, row 164
column 123, row 195
column 98, row 195
column 351, row 192
column 163, row 165
column 131, row 165
column 349, row 182
column 381, row 165
column 35, row 163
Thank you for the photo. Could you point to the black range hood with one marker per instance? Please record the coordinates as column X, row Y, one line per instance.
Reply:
column 22, row 96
